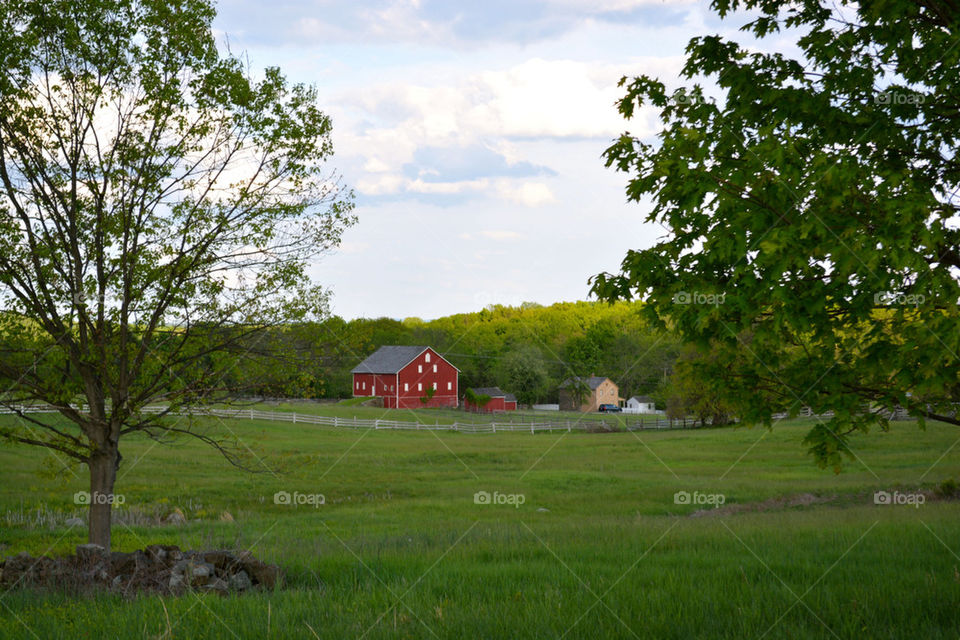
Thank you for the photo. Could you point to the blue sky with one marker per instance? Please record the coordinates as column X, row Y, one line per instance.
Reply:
column 472, row 134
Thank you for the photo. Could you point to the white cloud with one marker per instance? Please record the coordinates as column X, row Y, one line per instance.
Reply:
column 537, row 99
column 446, row 188
column 529, row 194
column 501, row 235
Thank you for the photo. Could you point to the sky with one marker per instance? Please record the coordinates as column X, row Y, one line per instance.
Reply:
column 472, row 134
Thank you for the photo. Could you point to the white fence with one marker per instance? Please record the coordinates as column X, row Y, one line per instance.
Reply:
column 587, row 422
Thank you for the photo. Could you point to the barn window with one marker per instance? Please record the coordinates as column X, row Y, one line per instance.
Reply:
column 406, row 387
column 449, row 386
column 427, row 358
column 419, row 386
column 364, row 385
column 434, row 386
column 358, row 385
column 419, row 368
column 434, row 368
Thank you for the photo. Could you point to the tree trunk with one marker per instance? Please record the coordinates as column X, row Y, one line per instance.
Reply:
column 103, row 473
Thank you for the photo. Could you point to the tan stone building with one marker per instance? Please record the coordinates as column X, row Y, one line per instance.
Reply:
column 587, row 394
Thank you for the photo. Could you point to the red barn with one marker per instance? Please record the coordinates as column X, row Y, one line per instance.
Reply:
column 403, row 375
column 499, row 401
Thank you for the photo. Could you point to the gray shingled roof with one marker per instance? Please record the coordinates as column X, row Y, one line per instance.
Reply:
column 510, row 397
column 642, row 398
column 593, row 381
column 493, row 392
column 388, row 359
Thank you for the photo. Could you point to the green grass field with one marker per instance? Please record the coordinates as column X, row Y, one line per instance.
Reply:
column 598, row 548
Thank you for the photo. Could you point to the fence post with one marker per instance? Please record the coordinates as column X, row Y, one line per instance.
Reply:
column 376, row 423
column 494, row 425
column 294, row 417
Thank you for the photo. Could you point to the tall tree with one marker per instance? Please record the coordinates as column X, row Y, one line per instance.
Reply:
column 812, row 211
column 522, row 371
column 159, row 208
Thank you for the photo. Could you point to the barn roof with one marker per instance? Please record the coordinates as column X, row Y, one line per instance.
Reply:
column 389, row 359
column 493, row 392
column 593, row 381
column 510, row 397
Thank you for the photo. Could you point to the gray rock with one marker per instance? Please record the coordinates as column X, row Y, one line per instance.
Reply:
column 177, row 581
column 240, row 581
column 192, row 572
column 543, row 510
column 74, row 522
column 217, row 585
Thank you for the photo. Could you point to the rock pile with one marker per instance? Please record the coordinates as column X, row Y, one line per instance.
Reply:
column 159, row 568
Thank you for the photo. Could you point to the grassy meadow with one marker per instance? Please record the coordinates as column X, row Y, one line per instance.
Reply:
column 587, row 540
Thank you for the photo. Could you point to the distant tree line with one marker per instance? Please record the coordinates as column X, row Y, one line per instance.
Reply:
column 527, row 350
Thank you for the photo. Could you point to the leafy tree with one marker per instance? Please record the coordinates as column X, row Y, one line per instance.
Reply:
column 522, row 372
column 158, row 210
column 695, row 388
column 477, row 399
column 811, row 212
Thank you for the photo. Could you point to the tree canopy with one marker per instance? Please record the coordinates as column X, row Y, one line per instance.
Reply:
column 813, row 238
column 159, row 207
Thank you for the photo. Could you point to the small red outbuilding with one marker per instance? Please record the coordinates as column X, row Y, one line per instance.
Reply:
column 404, row 377
column 499, row 401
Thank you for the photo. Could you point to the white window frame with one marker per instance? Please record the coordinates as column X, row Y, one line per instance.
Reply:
column 419, row 368
column 434, row 386
column 426, row 357
column 406, row 386
column 419, row 386
column 449, row 386
column 434, row 368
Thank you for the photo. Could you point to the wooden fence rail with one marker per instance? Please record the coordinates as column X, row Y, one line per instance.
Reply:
column 533, row 426
column 585, row 423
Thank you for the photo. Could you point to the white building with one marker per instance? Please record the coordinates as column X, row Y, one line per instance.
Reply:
column 641, row 404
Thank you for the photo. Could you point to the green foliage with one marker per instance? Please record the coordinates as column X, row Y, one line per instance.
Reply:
column 159, row 207
column 695, row 389
column 527, row 350
column 523, row 372
column 813, row 245
column 477, row 399
column 427, row 395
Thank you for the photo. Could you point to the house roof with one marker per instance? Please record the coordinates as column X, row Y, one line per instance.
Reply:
column 593, row 381
column 389, row 359
column 647, row 399
column 493, row 392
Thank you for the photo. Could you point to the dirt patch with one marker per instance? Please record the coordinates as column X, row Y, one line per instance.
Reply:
column 880, row 497
column 771, row 504
column 158, row 569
